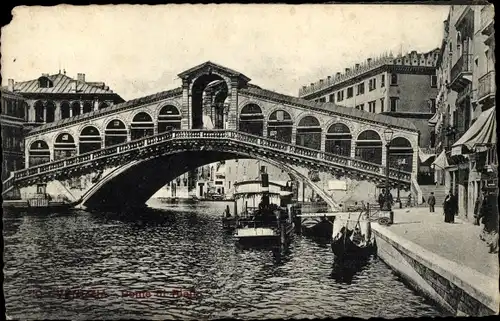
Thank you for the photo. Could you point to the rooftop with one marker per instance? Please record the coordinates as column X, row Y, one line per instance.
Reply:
column 61, row 84
column 413, row 58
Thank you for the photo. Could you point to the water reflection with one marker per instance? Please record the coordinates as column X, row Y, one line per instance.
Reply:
column 182, row 248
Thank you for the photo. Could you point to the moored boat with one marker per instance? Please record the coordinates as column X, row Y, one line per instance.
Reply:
column 267, row 224
column 352, row 239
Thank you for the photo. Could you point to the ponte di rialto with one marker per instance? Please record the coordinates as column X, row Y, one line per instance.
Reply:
column 124, row 153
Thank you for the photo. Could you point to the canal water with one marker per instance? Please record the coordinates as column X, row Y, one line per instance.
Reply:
column 177, row 263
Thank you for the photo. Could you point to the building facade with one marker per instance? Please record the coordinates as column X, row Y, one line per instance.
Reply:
column 465, row 121
column 403, row 87
column 12, row 122
column 51, row 98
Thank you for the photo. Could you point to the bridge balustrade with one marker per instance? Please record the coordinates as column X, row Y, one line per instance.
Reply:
column 217, row 134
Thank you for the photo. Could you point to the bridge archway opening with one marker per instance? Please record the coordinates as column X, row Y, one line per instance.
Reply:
column 39, row 153
column 279, row 126
column 309, row 133
column 142, row 125
column 87, row 107
column 38, row 106
column 338, row 140
column 115, row 133
column 169, row 119
column 90, row 140
column 369, row 147
column 252, row 120
column 401, row 154
column 75, row 108
column 64, row 146
column 202, row 100
column 217, row 110
column 64, row 110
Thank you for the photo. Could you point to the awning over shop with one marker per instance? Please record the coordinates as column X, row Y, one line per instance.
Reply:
column 424, row 156
column 481, row 135
column 434, row 119
column 441, row 161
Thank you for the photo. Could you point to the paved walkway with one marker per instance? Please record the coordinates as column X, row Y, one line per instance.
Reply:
column 458, row 242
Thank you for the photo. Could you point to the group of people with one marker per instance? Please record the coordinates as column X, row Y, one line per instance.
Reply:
column 485, row 212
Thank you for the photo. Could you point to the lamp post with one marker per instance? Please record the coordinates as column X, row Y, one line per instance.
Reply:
column 388, row 137
column 401, row 163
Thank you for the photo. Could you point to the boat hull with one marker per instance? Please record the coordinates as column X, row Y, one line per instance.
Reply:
column 317, row 228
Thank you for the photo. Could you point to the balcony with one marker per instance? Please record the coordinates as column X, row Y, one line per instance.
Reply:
column 487, row 16
column 487, row 87
column 461, row 73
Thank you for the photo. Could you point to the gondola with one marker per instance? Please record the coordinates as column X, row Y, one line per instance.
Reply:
column 352, row 239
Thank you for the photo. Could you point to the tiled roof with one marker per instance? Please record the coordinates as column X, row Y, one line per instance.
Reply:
column 62, row 85
column 108, row 110
column 10, row 94
column 214, row 66
column 331, row 108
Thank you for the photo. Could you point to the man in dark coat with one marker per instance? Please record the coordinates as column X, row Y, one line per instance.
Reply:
column 449, row 207
column 489, row 217
column 431, row 201
column 381, row 199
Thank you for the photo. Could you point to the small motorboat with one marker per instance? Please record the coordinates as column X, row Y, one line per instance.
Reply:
column 321, row 227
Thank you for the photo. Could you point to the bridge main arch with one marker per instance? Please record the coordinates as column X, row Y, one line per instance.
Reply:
column 133, row 184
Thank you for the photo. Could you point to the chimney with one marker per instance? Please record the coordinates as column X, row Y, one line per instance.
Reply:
column 304, row 87
column 10, row 86
column 321, row 81
column 329, row 78
column 347, row 70
column 81, row 77
column 45, row 75
column 369, row 60
column 312, row 84
column 357, row 66
column 337, row 75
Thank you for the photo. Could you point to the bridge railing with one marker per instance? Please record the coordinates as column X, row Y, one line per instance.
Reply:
column 211, row 134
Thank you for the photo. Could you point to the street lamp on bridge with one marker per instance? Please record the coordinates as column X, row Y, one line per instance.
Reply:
column 388, row 132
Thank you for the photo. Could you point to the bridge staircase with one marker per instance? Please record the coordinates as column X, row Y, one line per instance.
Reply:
column 228, row 141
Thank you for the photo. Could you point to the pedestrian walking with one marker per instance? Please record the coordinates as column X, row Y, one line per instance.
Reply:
column 431, row 201
column 478, row 205
column 449, row 207
column 408, row 204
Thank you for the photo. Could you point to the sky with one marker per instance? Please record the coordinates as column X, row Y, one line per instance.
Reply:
column 139, row 50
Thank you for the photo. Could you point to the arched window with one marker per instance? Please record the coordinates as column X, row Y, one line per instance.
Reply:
column 64, row 146
column 141, row 126
column 369, row 147
column 75, row 108
column 338, row 140
column 279, row 126
column 169, row 119
column 90, row 140
column 65, row 110
column 115, row 133
column 252, row 120
column 39, row 114
column 50, row 112
column 309, row 133
column 87, row 107
column 102, row 105
column 39, row 153
column 400, row 154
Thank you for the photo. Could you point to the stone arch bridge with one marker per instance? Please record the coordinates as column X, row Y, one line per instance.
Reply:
column 128, row 151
